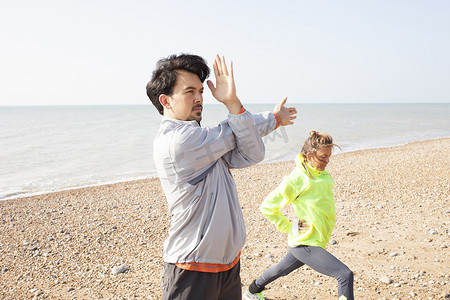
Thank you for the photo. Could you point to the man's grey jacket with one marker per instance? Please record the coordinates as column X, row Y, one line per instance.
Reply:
column 207, row 225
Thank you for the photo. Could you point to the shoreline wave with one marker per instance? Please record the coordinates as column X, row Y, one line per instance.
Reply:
column 19, row 194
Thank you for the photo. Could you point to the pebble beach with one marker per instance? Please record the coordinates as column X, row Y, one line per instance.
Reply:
column 106, row 242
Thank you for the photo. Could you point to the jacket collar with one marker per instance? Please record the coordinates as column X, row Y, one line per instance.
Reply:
column 301, row 162
column 168, row 120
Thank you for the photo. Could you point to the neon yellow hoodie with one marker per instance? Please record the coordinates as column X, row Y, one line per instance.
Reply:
column 312, row 200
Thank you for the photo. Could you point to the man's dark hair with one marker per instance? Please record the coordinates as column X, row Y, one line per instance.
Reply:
column 165, row 75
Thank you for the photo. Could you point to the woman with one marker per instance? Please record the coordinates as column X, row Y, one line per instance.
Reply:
column 309, row 189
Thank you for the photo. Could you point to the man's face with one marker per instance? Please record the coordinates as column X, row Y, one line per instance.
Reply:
column 186, row 101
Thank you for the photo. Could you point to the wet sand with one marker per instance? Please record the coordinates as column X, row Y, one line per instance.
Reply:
column 392, row 230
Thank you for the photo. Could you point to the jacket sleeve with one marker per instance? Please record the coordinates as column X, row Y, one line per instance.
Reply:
column 265, row 122
column 194, row 149
column 249, row 144
column 288, row 190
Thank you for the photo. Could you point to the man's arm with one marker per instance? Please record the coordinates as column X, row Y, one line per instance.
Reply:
column 225, row 92
column 248, row 131
column 265, row 123
column 249, row 146
column 238, row 140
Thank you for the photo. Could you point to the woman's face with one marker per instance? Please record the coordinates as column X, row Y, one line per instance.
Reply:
column 320, row 159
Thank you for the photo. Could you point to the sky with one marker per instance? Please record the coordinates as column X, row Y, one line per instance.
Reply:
column 84, row 52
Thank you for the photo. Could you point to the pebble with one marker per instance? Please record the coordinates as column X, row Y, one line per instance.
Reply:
column 392, row 254
column 333, row 242
column 119, row 269
column 386, row 280
column 269, row 256
column 432, row 231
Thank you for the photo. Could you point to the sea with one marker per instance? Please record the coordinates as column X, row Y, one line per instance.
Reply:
column 52, row 148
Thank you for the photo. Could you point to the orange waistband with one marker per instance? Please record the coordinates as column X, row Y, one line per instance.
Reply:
column 208, row 268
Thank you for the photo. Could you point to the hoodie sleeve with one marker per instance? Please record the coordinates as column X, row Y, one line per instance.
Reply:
column 288, row 190
column 266, row 122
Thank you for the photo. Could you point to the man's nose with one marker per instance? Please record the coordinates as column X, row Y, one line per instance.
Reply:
column 198, row 98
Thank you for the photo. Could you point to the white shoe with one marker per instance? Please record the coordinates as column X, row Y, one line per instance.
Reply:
column 249, row 296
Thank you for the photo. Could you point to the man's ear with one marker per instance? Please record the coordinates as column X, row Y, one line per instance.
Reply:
column 308, row 156
column 164, row 100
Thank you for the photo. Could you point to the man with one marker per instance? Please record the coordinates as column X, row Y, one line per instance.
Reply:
column 207, row 230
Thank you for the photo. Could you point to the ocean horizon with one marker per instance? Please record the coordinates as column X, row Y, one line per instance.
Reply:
column 51, row 148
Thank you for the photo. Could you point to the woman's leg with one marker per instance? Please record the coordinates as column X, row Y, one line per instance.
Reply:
column 288, row 264
column 324, row 262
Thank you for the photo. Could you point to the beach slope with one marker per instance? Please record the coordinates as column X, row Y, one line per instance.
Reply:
column 392, row 230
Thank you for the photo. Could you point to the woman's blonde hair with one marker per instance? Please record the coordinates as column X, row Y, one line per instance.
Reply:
column 316, row 141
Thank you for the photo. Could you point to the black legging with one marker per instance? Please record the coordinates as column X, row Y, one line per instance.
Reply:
column 318, row 259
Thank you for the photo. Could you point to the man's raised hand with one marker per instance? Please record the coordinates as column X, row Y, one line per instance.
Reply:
column 287, row 115
column 225, row 89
